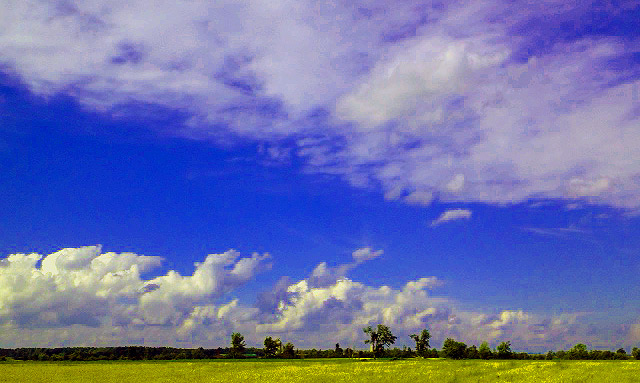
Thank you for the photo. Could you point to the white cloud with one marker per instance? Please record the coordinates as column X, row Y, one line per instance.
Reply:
column 85, row 297
column 71, row 285
column 560, row 232
column 346, row 306
column 175, row 295
column 426, row 102
column 250, row 66
column 87, row 287
column 366, row 254
column 451, row 215
column 323, row 274
column 475, row 126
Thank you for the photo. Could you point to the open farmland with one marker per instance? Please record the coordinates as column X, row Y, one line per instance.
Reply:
column 322, row 370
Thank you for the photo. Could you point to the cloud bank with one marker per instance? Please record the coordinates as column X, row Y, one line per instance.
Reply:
column 82, row 286
column 499, row 102
column 81, row 296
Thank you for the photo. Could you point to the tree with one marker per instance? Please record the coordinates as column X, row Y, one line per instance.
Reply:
column 373, row 338
column 422, row 342
column 237, row 345
column 379, row 339
column 579, row 351
column 635, row 352
column 454, row 350
column 504, row 350
column 288, row 351
column 198, row 353
column 485, row 351
column 270, row 347
column 472, row 352
column 338, row 351
column 348, row 353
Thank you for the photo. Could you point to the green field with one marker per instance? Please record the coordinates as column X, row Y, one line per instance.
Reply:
column 323, row 370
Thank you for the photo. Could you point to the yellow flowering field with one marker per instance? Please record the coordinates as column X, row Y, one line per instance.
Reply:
column 323, row 370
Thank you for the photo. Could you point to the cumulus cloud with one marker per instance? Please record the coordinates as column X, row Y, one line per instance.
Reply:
column 323, row 274
column 449, row 102
column 82, row 286
column 451, row 215
column 174, row 296
column 81, row 296
column 344, row 307
column 71, row 286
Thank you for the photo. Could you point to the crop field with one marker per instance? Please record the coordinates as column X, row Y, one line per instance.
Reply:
column 323, row 370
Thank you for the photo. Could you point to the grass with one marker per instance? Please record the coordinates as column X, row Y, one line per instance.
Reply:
column 323, row 370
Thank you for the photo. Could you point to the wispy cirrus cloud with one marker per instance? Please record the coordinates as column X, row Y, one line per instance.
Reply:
column 425, row 101
column 452, row 215
column 562, row 232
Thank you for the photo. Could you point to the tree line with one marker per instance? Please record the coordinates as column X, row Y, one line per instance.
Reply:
column 380, row 339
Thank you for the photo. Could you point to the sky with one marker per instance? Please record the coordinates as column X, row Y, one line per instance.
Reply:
column 175, row 171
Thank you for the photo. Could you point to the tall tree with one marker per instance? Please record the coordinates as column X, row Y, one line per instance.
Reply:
column 373, row 339
column 288, row 351
column 484, row 351
column 379, row 338
column 472, row 352
column 579, row 351
column 422, row 342
column 237, row 345
column 454, row 350
column 338, row 351
column 504, row 350
column 348, row 353
column 271, row 347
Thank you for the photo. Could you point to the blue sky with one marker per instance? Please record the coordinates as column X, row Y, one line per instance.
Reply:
column 172, row 172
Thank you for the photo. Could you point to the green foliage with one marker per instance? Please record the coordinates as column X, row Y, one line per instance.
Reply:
column 504, row 350
column 379, row 338
column 579, row 351
column 348, row 353
column 288, row 351
column 454, row 350
column 271, row 347
column 373, row 337
column 237, row 345
column 422, row 342
column 485, row 351
column 338, row 352
column 473, row 353
column 274, row 348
